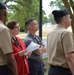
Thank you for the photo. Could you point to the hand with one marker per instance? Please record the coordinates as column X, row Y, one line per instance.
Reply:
column 23, row 52
column 41, row 48
column 29, row 53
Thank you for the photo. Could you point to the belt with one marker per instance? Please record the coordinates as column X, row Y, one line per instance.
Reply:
column 35, row 60
column 59, row 67
column 3, row 65
column 58, row 70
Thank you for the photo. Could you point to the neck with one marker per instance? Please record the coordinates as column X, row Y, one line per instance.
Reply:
column 32, row 32
column 2, row 20
column 12, row 35
column 65, row 26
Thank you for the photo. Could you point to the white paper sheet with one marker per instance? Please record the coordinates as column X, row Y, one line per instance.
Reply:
column 32, row 46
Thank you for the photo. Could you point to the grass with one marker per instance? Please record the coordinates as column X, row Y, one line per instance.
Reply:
column 45, row 32
column 46, row 65
column 47, row 68
column 45, row 58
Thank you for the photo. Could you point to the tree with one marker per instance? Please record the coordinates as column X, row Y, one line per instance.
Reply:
column 68, row 4
column 21, row 10
column 51, row 19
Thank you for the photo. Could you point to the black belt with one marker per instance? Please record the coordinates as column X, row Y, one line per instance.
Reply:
column 58, row 70
column 59, row 67
column 3, row 65
column 35, row 60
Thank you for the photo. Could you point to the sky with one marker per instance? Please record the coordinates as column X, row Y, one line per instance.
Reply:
column 45, row 6
column 48, row 9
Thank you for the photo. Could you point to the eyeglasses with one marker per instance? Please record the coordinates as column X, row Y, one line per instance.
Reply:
column 17, row 27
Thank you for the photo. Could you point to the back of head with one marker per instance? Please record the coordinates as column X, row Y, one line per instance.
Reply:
column 2, row 12
column 28, row 21
column 58, row 14
column 2, row 6
column 11, row 24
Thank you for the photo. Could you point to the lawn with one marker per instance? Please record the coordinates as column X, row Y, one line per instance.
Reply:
column 45, row 32
column 46, row 65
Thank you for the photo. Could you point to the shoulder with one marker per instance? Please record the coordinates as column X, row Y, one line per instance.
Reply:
column 2, row 27
column 66, row 32
column 27, row 38
column 4, row 31
column 38, row 37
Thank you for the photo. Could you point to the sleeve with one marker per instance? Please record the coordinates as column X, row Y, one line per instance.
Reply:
column 68, row 44
column 15, row 55
column 6, row 41
column 27, row 42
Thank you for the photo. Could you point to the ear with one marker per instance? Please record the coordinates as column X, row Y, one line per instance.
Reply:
column 28, row 27
column 64, row 18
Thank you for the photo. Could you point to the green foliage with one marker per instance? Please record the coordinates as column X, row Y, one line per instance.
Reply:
column 51, row 19
column 61, row 4
column 45, row 58
column 21, row 10
column 57, row 3
column 45, row 20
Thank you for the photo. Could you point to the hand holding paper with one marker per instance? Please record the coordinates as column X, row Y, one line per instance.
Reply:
column 32, row 46
column 21, row 53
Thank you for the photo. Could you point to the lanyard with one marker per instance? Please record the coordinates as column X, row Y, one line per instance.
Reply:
column 16, row 41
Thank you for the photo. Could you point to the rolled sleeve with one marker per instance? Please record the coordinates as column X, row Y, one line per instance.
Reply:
column 6, row 41
column 68, row 43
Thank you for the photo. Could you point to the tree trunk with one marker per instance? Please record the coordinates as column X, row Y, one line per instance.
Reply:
column 69, row 4
column 72, row 25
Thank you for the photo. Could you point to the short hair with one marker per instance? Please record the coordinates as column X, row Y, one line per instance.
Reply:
column 2, row 6
column 58, row 20
column 58, row 14
column 28, row 21
column 11, row 24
